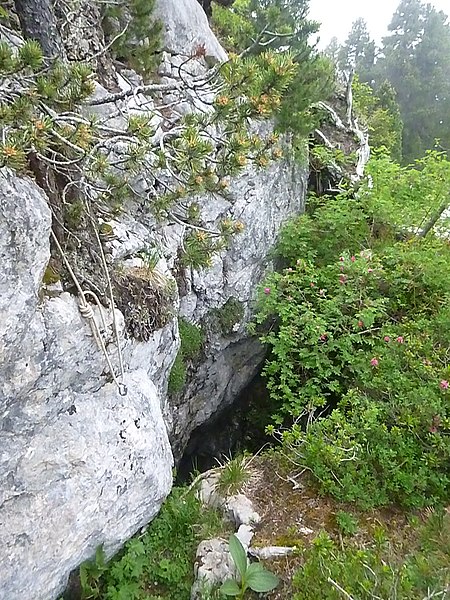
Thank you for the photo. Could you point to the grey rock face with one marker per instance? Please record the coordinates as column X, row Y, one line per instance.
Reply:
column 262, row 200
column 80, row 465
column 186, row 27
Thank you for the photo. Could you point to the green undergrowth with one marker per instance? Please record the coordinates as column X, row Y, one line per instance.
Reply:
column 157, row 564
column 412, row 568
column 192, row 338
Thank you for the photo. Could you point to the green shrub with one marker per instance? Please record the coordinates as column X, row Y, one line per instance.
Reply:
column 359, row 358
column 192, row 338
column 228, row 315
column 178, row 373
column 346, row 522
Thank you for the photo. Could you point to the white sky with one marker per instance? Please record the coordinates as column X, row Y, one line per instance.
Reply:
column 336, row 16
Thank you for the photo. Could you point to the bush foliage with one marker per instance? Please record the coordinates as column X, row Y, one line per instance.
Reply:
column 359, row 357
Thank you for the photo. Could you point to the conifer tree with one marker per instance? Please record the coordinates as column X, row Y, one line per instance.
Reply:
column 358, row 52
column 416, row 61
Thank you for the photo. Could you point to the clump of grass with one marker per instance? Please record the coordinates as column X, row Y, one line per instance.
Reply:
column 235, row 473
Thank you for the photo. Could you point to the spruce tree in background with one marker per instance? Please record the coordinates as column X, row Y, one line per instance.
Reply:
column 416, row 61
column 358, row 51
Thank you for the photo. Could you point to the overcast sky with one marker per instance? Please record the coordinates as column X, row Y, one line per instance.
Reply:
column 336, row 16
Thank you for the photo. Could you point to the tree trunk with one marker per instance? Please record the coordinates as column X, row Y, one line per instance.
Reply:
column 38, row 22
column 434, row 219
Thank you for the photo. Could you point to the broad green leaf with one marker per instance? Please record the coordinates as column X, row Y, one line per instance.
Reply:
column 239, row 555
column 255, row 567
column 230, row 588
column 262, row 580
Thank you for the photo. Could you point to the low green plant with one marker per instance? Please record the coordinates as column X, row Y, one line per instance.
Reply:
column 346, row 523
column 228, row 315
column 157, row 564
column 234, row 474
column 192, row 338
column 253, row 576
column 178, row 374
column 414, row 569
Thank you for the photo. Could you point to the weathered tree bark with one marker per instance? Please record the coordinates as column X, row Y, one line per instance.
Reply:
column 38, row 22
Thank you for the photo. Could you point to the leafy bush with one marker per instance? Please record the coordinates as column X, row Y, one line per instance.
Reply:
column 156, row 565
column 359, row 358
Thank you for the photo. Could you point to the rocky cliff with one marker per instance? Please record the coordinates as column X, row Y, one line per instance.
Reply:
column 81, row 463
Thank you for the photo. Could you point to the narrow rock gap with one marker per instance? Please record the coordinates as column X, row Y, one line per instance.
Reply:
column 238, row 428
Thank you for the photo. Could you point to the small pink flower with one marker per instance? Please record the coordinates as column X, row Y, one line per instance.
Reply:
column 323, row 337
column 267, row 290
column 360, row 324
column 341, row 258
column 321, row 292
column 353, row 258
column 312, row 284
column 400, row 339
column 443, row 384
column 342, row 279
column 387, row 338
column 370, row 270
column 374, row 362
column 341, row 269
column 435, row 423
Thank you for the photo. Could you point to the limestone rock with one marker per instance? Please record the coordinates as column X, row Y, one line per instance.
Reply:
column 80, row 465
column 245, row 535
column 213, row 565
column 240, row 510
column 270, row 552
column 186, row 28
